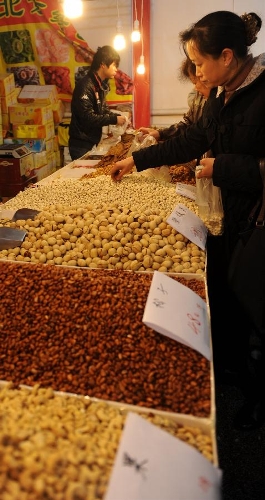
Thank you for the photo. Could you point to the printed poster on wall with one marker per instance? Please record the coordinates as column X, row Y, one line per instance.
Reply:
column 41, row 47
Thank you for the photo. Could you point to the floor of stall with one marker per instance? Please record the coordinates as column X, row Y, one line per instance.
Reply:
column 241, row 454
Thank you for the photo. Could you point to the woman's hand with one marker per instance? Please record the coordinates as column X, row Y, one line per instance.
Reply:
column 207, row 170
column 121, row 119
column 150, row 131
column 121, row 168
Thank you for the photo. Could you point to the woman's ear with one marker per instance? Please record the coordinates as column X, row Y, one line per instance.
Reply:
column 227, row 55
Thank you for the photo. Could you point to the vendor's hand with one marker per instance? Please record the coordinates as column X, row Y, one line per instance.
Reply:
column 207, row 170
column 121, row 119
column 150, row 131
column 121, row 168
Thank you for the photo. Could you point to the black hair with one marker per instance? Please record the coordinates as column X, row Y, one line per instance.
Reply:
column 187, row 69
column 105, row 55
column 223, row 29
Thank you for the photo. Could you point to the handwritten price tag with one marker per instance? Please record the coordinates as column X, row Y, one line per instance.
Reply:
column 186, row 190
column 174, row 310
column 189, row 224
column 152, row 464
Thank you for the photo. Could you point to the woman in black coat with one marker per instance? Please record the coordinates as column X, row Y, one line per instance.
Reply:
column 233, row 128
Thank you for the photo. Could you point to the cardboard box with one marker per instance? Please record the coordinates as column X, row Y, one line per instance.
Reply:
column 58, row 111
column 59, row 158
column 41, row 172
column 16, row 170
column 34, row 145
column 7, row 83
column 56, row 146
column 34, row 131
column 5, row 121
column 50, row 145
column 40, row 159
column 30, row 114
column 51, row 161
column 8, row 100
column 39, row 94
column 10, row 190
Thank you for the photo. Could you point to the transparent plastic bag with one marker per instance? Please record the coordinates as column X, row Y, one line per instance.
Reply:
column 118, row 130
column 210, row 206
column 144, row 141
column 141, row 141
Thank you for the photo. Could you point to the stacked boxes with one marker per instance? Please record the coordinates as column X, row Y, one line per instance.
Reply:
column 7, row 83
column 16, row 173
column 33, row 118
column 1, row 128
column 46, row 131
column 8, row 93
column 30, row 114
column 38, row 94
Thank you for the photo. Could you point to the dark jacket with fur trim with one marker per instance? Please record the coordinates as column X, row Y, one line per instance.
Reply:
column 235, row 133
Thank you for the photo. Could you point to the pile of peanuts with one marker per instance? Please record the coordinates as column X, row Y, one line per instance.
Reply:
column 136, row 191
column 62, row 447
column 81, row 331
column 141, row 192
column 109, row 237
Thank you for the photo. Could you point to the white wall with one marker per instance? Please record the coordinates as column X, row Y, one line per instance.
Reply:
column 98, row 26
column 168, row 18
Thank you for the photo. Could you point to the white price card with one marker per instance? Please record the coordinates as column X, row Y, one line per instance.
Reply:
column 186, row 190
column 189, row 224
column 174, row 310
column 151, row 464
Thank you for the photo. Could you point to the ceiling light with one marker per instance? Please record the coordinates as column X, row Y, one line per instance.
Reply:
column 73, row 8
column 136, row 35
column 141, row 67
column 119, row 40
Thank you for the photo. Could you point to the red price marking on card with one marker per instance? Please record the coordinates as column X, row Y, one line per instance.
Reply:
column 197, row 233
column 194, row 322
column 204, row 483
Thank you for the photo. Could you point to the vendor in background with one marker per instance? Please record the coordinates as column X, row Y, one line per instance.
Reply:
column 196, row 100
column 89, row 110
column 232, row 126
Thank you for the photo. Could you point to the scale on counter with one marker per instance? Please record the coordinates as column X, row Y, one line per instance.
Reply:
column 15, row 150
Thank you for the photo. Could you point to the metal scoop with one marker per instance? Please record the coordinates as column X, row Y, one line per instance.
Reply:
column 12, row 237
column 24, row 214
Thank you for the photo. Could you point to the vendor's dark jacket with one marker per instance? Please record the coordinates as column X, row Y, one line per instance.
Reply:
column 235, row 133
column 89, row 112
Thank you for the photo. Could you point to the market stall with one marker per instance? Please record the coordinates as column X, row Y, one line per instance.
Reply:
column 77, row 326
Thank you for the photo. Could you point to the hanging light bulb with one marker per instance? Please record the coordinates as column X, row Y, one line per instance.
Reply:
column 141, row 67
column 73, row 9
column 136, row 35
column 119, row 40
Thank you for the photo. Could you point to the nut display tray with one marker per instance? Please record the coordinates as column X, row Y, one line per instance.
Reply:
column 59, row 445
column 81, row 331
